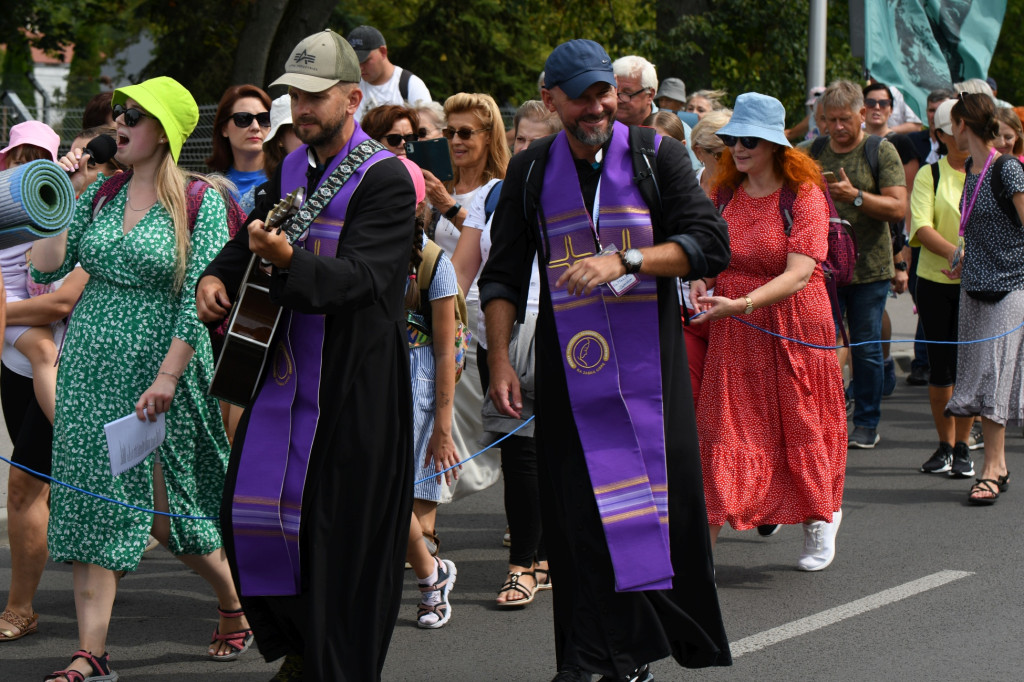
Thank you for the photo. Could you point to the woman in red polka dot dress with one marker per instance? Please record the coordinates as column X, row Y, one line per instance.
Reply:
column 771, row 414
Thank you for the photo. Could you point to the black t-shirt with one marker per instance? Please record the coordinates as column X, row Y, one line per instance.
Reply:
column 904, row 147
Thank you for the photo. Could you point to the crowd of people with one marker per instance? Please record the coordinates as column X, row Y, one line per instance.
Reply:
column 427, row 312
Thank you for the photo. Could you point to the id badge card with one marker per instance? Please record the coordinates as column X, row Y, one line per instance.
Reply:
column 622, row 284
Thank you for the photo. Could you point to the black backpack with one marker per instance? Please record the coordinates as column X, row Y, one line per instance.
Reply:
column 1004, row 198
column 645, row 169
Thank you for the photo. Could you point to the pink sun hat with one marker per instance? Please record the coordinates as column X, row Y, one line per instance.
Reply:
column 34, row 133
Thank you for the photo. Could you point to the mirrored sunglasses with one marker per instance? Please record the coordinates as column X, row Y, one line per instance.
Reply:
column 877, row 103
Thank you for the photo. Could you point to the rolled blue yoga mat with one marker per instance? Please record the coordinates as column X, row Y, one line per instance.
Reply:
column 37, row 201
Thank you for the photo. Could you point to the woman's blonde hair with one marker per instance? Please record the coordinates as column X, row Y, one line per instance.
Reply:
column 172, row 192
column 486, row 110
column 171, row 185
column 704, row 134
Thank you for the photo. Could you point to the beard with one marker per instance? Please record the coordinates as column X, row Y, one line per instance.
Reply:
column 598, row 137
column 328, row 131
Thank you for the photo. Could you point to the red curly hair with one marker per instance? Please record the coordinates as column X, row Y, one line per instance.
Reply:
column 795, row 167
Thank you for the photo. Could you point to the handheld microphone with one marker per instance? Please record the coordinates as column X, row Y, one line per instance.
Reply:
column 101, row 148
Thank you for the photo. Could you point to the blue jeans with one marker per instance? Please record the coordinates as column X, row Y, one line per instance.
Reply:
column 863, row 305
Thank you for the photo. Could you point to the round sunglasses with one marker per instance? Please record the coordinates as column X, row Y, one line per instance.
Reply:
column 396, row 140
column 731, row 140
column 243, row 119
column 131, row 116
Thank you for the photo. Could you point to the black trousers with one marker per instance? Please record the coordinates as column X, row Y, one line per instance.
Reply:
column 522, row 492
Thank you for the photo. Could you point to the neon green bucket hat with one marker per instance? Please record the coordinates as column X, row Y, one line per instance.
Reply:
column 169, row 102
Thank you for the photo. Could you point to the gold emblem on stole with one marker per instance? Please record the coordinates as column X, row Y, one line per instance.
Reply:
column 587, row 352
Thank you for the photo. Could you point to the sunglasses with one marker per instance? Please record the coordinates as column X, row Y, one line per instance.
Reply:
column 131, row 116
column 877, row 103
column 463, row 133
column 396, row 140
column 731, row 140
column 243, row 119
column 424, row 132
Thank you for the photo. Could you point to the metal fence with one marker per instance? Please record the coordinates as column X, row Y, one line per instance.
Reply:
column 68, row 123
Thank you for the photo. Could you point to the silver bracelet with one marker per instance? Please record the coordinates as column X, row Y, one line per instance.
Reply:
column 170, row 374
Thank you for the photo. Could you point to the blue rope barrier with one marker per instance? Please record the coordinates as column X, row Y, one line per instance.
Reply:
column 866, row 343
column 108, row 499
column 510, row 433
column 214, row 518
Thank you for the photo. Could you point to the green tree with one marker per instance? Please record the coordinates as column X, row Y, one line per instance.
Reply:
column 740, row 46
column 1007, row 64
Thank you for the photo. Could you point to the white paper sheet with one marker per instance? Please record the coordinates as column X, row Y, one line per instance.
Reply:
column 130, row 441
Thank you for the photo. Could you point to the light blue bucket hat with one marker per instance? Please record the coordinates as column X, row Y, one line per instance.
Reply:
column 757, row 115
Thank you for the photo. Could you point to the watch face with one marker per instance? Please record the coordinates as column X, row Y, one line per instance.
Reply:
column 859, row 200
column 634, row 259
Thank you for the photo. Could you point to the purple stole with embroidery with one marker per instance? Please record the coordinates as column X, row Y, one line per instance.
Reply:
column 267, row 504
column 612, row 362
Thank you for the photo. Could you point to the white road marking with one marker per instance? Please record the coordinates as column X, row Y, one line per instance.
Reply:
column 828, row 617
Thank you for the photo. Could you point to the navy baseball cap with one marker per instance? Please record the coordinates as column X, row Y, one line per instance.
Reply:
column 575, row 65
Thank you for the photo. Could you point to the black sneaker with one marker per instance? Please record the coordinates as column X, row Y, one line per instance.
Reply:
column 572, row 674
column 767, row 530
column 640, row 674
column 962, row 466
column 918, row 376
column 941, row 461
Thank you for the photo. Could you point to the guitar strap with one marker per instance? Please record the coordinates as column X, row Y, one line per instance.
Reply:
column 297, row 227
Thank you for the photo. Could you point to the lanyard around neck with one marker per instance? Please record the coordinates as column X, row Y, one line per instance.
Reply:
column 965, row 215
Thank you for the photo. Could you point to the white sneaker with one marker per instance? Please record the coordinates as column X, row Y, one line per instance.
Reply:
column 819, row 543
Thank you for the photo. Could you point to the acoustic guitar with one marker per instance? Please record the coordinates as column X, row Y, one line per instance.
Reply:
column 253, row 321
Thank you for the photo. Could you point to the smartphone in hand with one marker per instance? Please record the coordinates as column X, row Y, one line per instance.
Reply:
column 830, row 176
column 432, row 155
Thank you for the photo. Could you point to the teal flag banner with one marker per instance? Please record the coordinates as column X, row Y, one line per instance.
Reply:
column 921, row 45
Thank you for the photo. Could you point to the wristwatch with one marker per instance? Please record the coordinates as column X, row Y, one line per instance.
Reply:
column 859, row 199
column 901, row 266
column 631, row 259
column 453, row 211
column 750, row 305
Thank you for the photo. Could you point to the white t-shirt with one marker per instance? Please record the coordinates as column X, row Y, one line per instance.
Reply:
column 901, row 113
column 475, row 220
column 446, row 235
column 16, row 280
column 389, row 93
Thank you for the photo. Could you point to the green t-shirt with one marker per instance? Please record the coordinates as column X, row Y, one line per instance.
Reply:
column 874, row 244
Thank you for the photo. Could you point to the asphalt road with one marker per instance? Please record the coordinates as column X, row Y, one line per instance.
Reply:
column 924, row 587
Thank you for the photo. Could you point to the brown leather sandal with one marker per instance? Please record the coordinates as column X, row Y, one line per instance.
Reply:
column 25, row 626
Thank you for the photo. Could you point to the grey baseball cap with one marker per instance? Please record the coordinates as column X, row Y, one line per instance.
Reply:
column 364, row 40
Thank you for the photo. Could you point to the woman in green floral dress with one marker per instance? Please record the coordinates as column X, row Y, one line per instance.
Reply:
column 135, row 344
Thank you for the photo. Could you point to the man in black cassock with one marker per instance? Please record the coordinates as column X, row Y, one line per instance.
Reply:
column 600, row 629
column 333, row 612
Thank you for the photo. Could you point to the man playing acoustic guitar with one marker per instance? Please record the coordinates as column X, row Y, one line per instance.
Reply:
column 318, row 497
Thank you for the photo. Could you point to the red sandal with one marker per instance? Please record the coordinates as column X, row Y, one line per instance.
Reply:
column 101, row 671
column 240, row 640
